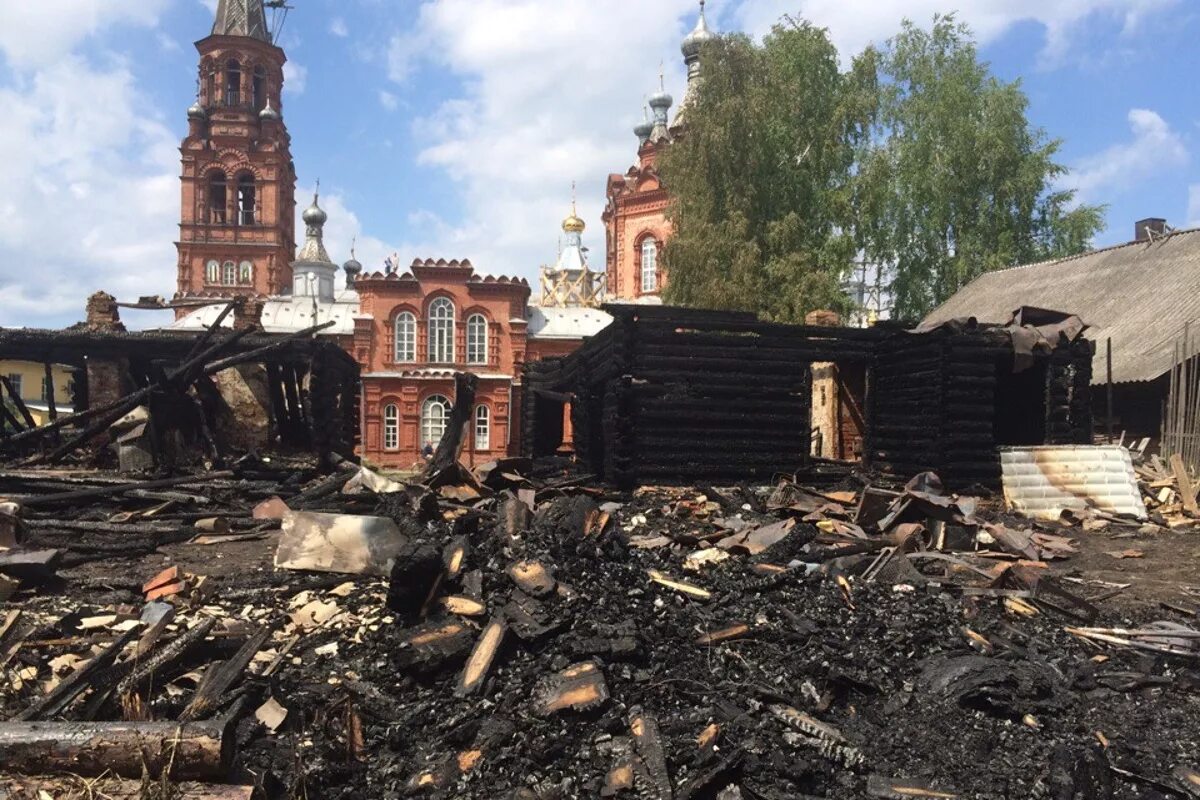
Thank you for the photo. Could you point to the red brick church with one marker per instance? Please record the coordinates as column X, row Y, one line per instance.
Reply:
column 410, row 329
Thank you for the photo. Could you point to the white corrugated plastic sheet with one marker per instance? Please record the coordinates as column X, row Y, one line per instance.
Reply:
column 1043, row 481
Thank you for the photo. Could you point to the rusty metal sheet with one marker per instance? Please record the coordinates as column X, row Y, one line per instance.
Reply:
column 1041, row 482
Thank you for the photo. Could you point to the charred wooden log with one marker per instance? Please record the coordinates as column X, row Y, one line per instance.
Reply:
column 195, row 751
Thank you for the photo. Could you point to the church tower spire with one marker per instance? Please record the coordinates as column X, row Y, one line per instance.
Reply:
column 237, row 222
column 242, row 18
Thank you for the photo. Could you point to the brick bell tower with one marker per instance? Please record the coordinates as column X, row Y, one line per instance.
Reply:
column 237, row 232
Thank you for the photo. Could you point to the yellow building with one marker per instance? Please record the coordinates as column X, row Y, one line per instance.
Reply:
column 28, row 379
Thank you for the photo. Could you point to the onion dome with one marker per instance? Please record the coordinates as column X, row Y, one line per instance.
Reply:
column 196, row 111
column 660, row 100
column 573, row 223
column 699, row 36
column 314, row 216
column 269, row 113
column 643, row 129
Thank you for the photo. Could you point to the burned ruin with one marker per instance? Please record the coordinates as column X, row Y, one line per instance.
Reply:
column 284, row 622
column 182, row 398
column 668, row 394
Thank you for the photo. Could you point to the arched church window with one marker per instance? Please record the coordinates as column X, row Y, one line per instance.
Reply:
column 406, row 338
column 477, row 339
column 483, row 428
column 649, row 264
column 246, row 273
column 229, row 273
column 391, row 427
column 212, row 272
column 210, row 81
column 246, row 199
column 217, row 196
column 441, row 331
column 435, row 411
column 260, row 88
column 233, row 82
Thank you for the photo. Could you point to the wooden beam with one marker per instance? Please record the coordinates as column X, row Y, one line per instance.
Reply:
column 51, row 403
column 1187, row 491
column 22, row 409
column 195, row 751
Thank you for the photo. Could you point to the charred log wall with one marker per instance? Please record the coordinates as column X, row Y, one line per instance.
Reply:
column 906, row 408
column 1069, row 393
column 670, row 394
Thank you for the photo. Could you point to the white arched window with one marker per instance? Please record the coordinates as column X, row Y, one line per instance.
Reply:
column 477, row 339
column 246, row 272
column 391, row 427
column 406, row 338
column 483, row 428
column 212, row 272
column 229, row 273
column 441, row 331
column 649, row 265
column 435, row 411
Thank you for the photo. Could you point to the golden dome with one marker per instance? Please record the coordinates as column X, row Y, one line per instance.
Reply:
column 573, row 224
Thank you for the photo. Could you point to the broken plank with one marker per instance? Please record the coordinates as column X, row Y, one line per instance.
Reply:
column 578, row 687
column 1187, row 491
column 30, row 564
column 480, row 662
column 77, row 682
column 688, row 589
column 724, row 634
column 653, row 778
column 224, row 675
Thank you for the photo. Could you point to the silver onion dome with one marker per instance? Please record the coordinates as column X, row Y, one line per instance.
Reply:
column 314, row 215
column 699, row 36
column 660, row 100
column 196, row 111
column 643, row 130
column 268, row 112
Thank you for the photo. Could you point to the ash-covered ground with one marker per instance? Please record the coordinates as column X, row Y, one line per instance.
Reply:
column 731, row 675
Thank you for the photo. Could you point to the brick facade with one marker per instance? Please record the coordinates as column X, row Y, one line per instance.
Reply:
column 486, row 336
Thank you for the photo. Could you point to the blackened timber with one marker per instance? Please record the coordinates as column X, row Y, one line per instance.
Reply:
column 15, row 398
column 51, row 401
column 465, row 386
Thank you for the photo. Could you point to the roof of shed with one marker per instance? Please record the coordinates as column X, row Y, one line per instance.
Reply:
column 1139, row 294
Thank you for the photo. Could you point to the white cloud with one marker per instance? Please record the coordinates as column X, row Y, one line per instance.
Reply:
column 337, row 27
column 1154, row 148
column 551, row 91
column 99, row 200
column 853, row 24
column 388, row 100
column 295, row 78
column 404, row 51
column 36, row 34
column 1193, row 213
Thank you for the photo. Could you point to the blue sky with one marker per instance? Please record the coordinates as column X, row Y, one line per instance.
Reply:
column 454, row 128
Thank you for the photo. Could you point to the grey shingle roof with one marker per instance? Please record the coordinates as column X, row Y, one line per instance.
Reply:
column 1140, row 294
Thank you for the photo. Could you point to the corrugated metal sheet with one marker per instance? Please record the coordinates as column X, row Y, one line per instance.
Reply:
column 1139, row 294
column 1042, row 481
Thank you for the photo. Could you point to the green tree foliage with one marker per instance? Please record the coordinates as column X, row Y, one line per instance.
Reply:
column 915, row 158
column 959, row 182
column 762, row 180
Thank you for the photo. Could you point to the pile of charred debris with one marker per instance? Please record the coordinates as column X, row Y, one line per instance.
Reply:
column 266, row 630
